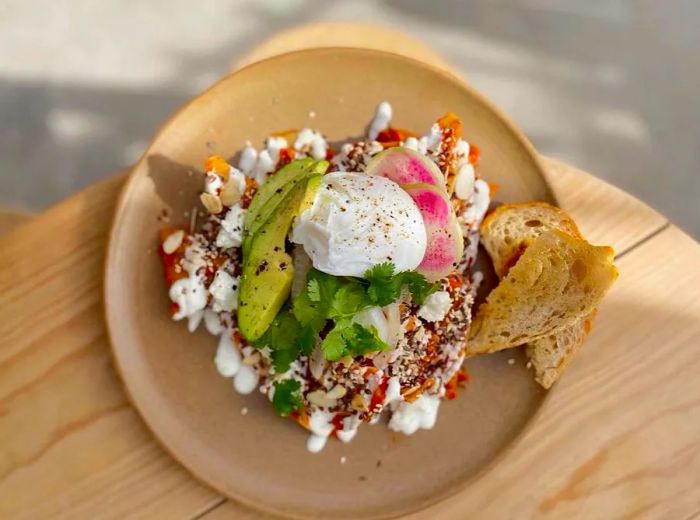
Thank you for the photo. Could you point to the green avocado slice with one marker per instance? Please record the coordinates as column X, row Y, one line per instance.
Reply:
column 267, row 269
column 270, row 195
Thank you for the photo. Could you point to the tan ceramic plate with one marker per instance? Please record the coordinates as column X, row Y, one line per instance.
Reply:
column 259, row 459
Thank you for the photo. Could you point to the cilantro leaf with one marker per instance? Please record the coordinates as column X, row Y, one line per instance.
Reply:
column 313, row 290
column 362, row 340
column 307, row 339
column 282, row 359
column 284, row 338
column 351, row 339
column 333, row 345
column 420, row 287
column 287, row 397
column 385, row 286
column 349, row 299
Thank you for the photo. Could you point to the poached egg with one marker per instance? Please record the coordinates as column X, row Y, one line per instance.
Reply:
column 356, row 221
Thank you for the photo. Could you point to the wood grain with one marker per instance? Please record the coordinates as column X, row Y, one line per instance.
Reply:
column 605, row 214
column 11, row 218
column 618, row 437
column 72, row 446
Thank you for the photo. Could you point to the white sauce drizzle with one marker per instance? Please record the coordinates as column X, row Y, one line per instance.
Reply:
column 381, row 120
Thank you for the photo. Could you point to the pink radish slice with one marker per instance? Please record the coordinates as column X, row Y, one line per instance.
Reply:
column 445, row 243
column 405, row 166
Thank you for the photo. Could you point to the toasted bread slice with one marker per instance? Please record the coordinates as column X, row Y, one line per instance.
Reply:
column 558, row 280
column 510, row 228
column 551, row 354
column 505, row 234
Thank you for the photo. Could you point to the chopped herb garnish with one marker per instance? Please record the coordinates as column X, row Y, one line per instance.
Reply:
column 385, row 286
column 287, row 397
column 330, row 302
column 351, row 339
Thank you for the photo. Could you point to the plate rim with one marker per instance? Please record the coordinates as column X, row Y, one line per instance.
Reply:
column 133, row 176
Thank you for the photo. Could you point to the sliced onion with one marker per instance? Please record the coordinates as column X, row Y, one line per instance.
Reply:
column 302, row 265
column 317, row 363
column 393, row 319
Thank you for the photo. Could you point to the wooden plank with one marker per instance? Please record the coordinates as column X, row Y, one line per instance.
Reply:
column 11, row 218
column 71, row 445
column 620, row 435
column 605, row 214
column 70, row 442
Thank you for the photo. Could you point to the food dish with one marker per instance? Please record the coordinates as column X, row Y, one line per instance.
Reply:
column 218, row 434
column 338, row 278
column 373, row 264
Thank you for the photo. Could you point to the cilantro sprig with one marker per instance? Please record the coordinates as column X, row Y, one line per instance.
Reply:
column 385, row 286
column 324, row 312
column 351, row 339
column 287, row 397
column 287, row 339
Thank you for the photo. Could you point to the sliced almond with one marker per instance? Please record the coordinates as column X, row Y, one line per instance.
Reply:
column 212, row 203
column 337, row 392
column 464, row 182
column 230, row 193
column 252, row 359
column 320, row 398
column 317, row 363
column 173, row 242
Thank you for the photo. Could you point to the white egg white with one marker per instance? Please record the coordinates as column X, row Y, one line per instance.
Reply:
column 357, row 221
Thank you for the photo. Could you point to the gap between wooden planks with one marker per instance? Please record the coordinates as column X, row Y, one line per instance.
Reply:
column 72, row 446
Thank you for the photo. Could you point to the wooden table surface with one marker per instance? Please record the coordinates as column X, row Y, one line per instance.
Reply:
column 618, row 438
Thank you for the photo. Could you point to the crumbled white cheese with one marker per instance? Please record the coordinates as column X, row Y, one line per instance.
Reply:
column 393, row 390
column 411, row 143
column 274, row 145
column 432, row 139
column 224, row 290
column 479, row 203
column 249, row 157
column 263, row 167
column 231, row 231
column 435, row 306
column 407, row 418
column 213, row 183
column 228, row 358
column 461, row 152
column 381, row 120
column 190, row 295
column 311, row 143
